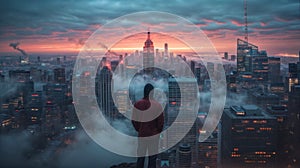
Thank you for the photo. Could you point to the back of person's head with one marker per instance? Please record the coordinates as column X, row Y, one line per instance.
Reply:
column 147, row 89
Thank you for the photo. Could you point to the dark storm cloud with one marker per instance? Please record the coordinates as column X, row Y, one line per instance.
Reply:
column 46, row 17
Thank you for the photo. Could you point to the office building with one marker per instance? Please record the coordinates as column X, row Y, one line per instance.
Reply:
column 226, row 55
column 59, row 75
column 34, row 108
column 274, row 70
column 260, row 67
column 51, row 123
column 122, row 101
column 248, row 137
column 292, row 78
column 208, row 151
column 281, row 114
column 245, row 52
column 251, row 63
column 166, row 51
column 263, row 99
column 232, row 57
column 185, row 99
column 148, row 55
column 293, row 126
column 104, row 93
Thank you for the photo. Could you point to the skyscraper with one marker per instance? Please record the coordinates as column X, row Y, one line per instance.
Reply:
column 104, row 94
column 208, row 151
column 260, row 66
column 292, row 78
column 34, row 108
column 298, row 70
column 192, row 67
column 166, row 52
column 148, row 55
column 226, row 55
column 122, row 101
column 293, row 125
column 274, row 70
column 210, row 67
column 245, row 52
column 281, row 113
column 251, row 62
column 248, row 137
column 58, row 93
column 51, row 124
column 182, row 96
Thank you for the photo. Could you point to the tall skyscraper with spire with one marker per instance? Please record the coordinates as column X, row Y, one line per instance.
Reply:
column 148, row 55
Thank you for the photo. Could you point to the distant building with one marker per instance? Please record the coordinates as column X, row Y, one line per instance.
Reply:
column 198, row 74
column 148, row 55
column 36, row 74
column 122, row 101
column 10, row 60
column 58, row 61
column 51, row 123
column 274, row 70
column 57, row 92
column 19, row 76
column 292, row 78
column 184, row 100
column 232, row 57
column 208, row 151
column 248, row 137
column 298, row 70
column 210, row 68
column 251, row 62
column 281, row 114
column 278, row 89
column 263, row 99
column 59, row 75
column 293, row 125
column 166, row 51
column 104, row 93
column 192, row 67
column 5, row 123
column 245, row 52
column 114, row 64
column 232, row 81
column 34, row 108
column 292, row 70
column 260, row 66
column 226, row 55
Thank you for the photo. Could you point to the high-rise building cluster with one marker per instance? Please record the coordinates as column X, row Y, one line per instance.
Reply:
column 259, row 127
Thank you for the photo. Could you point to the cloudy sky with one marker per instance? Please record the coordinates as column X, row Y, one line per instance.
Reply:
column 58, row 27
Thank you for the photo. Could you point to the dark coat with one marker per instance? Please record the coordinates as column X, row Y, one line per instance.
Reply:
column 152, row 127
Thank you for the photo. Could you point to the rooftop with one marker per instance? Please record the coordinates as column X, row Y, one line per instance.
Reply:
column 247, row 111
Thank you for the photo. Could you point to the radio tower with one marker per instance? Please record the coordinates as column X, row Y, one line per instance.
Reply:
column 246, row 21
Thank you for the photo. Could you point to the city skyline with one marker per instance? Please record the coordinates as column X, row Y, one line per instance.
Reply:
column 71, row 76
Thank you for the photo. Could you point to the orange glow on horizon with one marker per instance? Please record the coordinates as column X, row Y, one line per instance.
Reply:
column 223, row 40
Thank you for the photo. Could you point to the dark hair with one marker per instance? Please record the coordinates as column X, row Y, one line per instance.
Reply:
column 147, row 89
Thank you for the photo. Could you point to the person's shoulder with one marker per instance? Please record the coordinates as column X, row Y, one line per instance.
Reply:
column 155, row 102
column 140, row 102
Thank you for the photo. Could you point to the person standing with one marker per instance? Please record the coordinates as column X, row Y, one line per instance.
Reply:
column 146, row 109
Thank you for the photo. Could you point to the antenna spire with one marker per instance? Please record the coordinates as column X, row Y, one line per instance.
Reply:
column 148, row 33
column 246, row 20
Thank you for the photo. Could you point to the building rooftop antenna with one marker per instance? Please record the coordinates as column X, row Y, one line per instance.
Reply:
column 246, row 20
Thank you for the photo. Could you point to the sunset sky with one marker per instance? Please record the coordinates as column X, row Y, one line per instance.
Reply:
column 62, row 27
